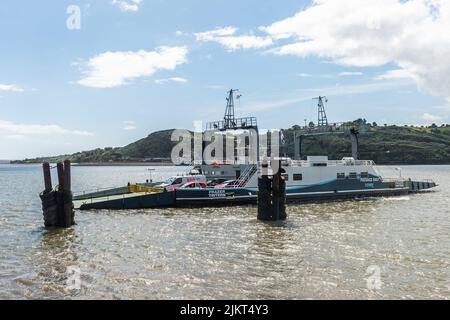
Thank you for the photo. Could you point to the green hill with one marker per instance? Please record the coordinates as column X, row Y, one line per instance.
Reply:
column 383, row 144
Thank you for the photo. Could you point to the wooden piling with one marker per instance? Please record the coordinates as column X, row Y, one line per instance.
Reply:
column 68, row 204
column 272, row 197
column 67, row 182
column 57, row 204
column 47, row 177
column 60, row 169
column 276, row 195
column 282, row 215
column 264, row 198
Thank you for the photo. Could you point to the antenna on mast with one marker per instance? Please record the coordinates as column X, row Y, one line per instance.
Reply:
column 230, row 122
column 229, row 118
column 322, row 120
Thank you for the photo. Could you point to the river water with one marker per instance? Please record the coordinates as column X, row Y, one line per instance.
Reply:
column 382, row 248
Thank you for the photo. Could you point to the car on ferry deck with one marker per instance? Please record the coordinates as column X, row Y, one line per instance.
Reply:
column 228, row 184
column 176, row 182
column 214, row 182
column 194, row 185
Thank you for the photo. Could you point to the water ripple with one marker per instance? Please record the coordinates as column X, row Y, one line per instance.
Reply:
column 322, row 251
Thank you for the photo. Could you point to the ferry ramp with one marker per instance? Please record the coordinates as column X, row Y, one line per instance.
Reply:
column 136, row 200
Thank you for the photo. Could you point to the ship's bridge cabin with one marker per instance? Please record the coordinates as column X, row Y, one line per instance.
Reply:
column 323, row 161
column 317, row 169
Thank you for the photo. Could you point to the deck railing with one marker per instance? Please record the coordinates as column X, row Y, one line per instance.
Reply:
column 330, row 163
column 235, row 124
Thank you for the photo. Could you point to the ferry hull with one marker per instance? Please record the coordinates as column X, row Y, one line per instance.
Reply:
column 333, row 190
column 137, row 201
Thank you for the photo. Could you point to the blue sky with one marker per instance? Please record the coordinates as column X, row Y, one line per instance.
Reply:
column 135, row 67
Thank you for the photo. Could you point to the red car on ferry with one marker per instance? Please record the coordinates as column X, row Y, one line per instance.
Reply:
column 194, row 185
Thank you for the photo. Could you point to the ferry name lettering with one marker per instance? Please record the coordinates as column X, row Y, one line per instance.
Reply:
column 217, row 193
column 369, row 179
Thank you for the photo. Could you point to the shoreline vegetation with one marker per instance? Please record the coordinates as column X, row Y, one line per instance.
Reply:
column 386, row 145
column 166, row 164
column 125, row 164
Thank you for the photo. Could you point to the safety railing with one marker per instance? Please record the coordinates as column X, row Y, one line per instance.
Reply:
column 246, row 175
column 239, row 123
column 330, row 163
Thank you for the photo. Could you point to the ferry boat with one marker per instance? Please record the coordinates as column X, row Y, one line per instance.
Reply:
column 317, row 178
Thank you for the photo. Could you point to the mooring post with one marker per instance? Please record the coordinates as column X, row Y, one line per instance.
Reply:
column 264, row 190
column 68, row 204
column 272, row 196
column 48, row 199
column 60, row 196
column 282, row 202
column 47, row 177
column 57, row 204
column 264, row 198
column 60, row 169
column 276, row 193
column 67, row 181
column 279, row 195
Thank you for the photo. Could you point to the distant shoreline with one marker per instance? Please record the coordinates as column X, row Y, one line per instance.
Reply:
column 104, row 164
column 124, row 164
column 168, row 164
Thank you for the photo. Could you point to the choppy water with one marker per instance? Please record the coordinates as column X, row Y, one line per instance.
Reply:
column 331, row 250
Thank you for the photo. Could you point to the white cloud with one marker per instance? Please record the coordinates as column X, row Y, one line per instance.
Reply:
column 395, row 74
column 350, row 74
column 227, row 38
column 129, row 125
column 364, row 33
column 11, row 87
column 332, row 76
column 127, row 5
column 218, row 32
column 113, row 69
column 173, row 79
column 16, row 129
column 431, row 118
column 337, row 90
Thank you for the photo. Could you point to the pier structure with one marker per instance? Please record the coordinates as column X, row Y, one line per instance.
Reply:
column 271, row 192
column 57, row 204
column 323, row 127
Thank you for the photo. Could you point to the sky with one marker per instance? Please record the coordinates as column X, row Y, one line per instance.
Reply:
column 78, row 75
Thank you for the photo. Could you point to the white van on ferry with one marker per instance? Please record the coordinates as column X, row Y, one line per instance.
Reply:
column 176, row 182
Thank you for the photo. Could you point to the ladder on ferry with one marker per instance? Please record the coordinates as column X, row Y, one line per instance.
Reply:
column 246, row 175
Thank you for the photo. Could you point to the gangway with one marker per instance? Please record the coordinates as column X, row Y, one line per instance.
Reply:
column 323, row 127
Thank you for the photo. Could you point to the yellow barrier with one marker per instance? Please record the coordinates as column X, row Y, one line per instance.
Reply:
column 134, row 188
